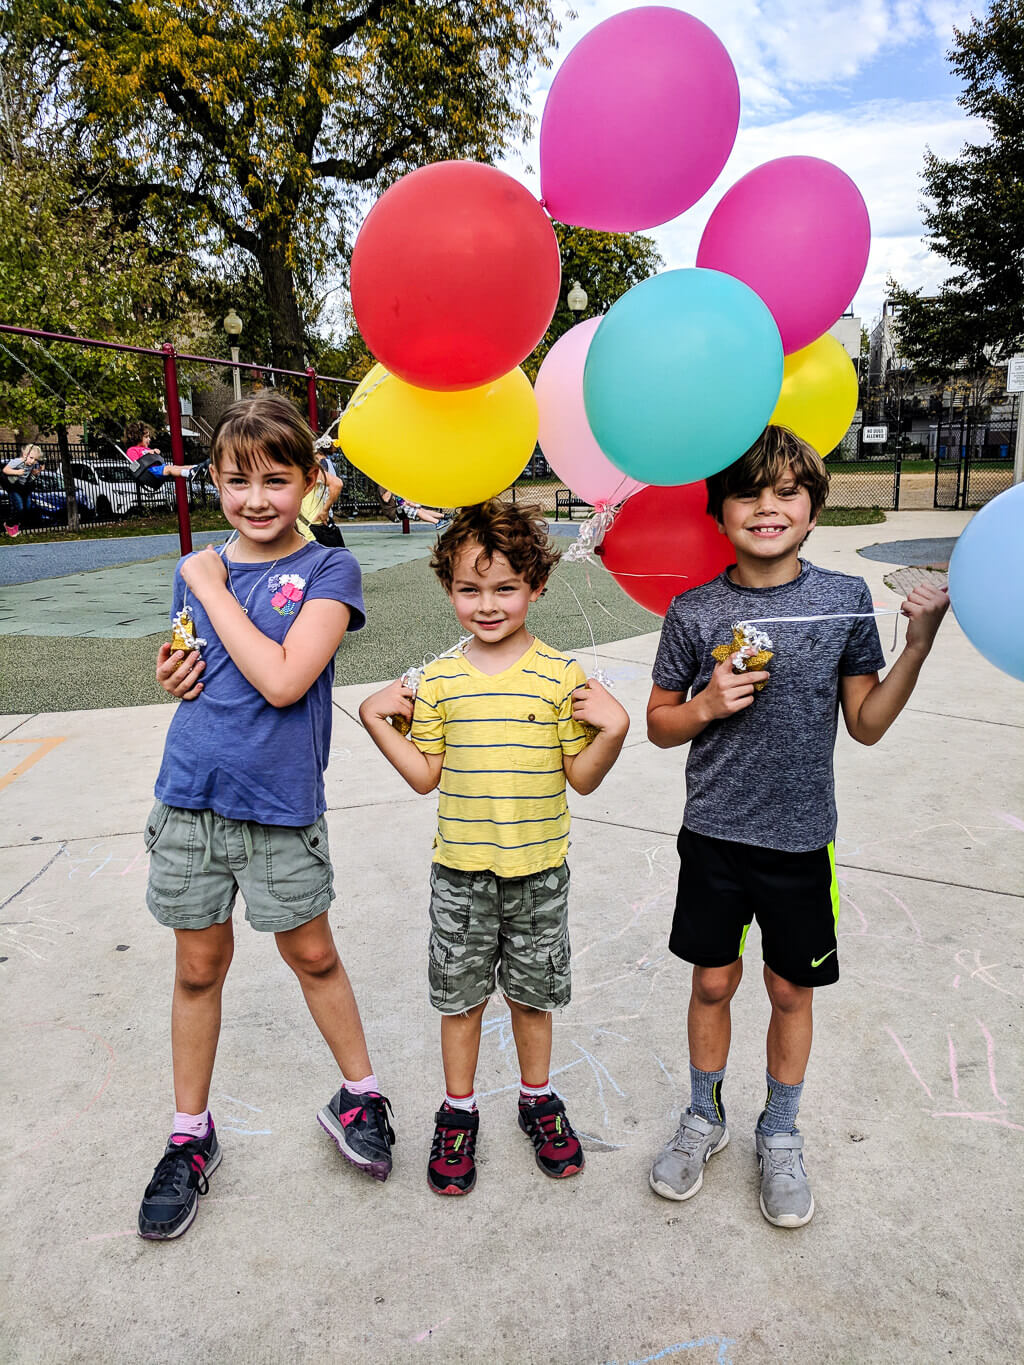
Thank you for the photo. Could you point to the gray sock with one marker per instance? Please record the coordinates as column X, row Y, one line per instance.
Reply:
column 706, row 1094
column 780, row 1107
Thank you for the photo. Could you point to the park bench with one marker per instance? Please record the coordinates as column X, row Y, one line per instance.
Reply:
column 566, row 501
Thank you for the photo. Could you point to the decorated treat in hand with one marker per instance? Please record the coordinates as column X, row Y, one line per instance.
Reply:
column 749, row 650
column 183, row 632
column 410, row 678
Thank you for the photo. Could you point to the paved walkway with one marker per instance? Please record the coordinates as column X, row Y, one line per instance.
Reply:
column 913, row 1115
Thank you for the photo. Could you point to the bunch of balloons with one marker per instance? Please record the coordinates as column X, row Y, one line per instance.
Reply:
column 687, row 368
column 455, row 277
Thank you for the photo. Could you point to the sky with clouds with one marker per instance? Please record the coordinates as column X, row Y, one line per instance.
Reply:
column 862, row 83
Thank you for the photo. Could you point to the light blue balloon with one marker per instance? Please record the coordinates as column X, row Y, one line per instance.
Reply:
column 986, row 581
column 682, row 376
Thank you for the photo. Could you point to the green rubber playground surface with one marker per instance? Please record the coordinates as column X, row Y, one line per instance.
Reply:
column 89, row 640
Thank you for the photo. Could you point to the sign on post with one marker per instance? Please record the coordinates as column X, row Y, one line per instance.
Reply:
column 874, row 436
column 1015, row 374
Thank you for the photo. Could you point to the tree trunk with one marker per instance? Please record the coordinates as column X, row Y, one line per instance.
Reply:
column 69, row 475
column 286, row 345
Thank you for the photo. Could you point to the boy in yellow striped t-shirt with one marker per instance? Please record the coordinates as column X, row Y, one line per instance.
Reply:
column 499, row 727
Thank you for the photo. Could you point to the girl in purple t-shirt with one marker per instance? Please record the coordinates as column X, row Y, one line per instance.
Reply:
column 240, row 795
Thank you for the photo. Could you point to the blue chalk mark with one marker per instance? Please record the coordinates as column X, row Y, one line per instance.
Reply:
column 722, row 1357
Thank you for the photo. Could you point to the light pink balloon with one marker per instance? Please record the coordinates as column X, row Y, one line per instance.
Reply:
column 565, row 436
column 639, row 121
column 796, row 230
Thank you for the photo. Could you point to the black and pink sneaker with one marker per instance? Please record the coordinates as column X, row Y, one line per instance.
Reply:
column 555, row 1145
column 452, row 1167
column 182, row 1174
column 360, row 1129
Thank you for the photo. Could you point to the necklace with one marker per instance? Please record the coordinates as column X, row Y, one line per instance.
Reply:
column 231, row 587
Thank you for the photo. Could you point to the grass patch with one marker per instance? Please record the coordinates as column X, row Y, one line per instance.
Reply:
column 850, row 516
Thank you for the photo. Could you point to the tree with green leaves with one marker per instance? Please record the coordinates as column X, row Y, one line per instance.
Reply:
column 975, row 214
column 265, row 129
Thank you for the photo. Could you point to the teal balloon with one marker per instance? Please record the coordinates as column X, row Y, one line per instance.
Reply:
column 986, row 581
column 682, row 376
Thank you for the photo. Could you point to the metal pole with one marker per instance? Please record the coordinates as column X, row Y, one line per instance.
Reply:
column 177, row 446
column 314, row 420
column 1018, row 444
column 236, row 378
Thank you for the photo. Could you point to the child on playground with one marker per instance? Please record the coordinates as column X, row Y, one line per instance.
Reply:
column 760, row 816
column 240, row 793
column 499, row 726
column 150, row 468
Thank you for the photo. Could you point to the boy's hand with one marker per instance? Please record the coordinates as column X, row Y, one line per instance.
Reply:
column 728, row 692
column 594, row 705
column 924, row 609
column 394, row 700
column 204, row 569
column 178, row 673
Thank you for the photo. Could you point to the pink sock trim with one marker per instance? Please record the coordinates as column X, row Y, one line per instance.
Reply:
column 467, row 1103
column 187, row 1126
column 364, row 1087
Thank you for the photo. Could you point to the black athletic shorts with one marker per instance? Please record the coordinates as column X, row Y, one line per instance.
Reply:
column 794, row 897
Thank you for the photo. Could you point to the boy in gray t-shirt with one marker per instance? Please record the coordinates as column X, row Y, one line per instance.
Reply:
column 769, row 651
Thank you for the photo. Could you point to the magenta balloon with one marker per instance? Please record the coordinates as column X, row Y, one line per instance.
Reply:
column 639, row 121
column 564, row 434
column 796, row 230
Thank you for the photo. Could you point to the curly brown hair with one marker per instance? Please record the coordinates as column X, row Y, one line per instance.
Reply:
column 774, row 452
column 504, row 528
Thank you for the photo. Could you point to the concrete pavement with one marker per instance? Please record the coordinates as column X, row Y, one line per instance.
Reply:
column 913, row 1113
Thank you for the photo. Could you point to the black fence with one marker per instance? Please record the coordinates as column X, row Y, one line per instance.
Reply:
column 865, row 481
column 973, row 465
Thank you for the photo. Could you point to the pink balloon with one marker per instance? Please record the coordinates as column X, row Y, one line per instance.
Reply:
column 639, row 121
column 564, row 434
column 796, row 230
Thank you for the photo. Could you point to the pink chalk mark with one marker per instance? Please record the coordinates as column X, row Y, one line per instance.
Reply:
column 956, row 981
column 1012, row 820
column 952, row 1068
column 845, row 895
column 56, row 1132
column 906, row 1057
column 423, row 1335
column 906, row 910
column 990, row 1051
column 134, row 862
column 997, row 1119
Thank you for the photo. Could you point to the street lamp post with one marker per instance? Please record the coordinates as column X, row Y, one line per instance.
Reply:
column 577, row 301
column 233, row 327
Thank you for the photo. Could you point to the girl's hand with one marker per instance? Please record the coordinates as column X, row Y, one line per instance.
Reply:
column 204, row 570
column 394, row 700
column 924, row 609
column 178, row 673
column 594, row 705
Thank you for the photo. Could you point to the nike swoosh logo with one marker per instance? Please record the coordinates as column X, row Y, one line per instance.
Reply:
column 817, row 961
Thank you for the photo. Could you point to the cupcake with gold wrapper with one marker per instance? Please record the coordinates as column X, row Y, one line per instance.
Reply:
column 183, row 632
column 750, row 650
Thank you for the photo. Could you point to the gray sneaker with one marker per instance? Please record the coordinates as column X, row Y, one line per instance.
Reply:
column 678, row 1170
column 786, row 1198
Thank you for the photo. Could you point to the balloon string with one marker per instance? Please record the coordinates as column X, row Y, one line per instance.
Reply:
column 590, row 628
column 836, row 616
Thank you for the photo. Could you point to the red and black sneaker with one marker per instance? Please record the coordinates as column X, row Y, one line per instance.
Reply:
column 555, row 1145
column 451, row 1168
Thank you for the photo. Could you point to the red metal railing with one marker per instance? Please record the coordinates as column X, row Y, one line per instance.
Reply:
column 170, row 357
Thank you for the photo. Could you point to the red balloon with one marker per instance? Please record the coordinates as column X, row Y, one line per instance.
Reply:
column 663, row 542
column 455, row 275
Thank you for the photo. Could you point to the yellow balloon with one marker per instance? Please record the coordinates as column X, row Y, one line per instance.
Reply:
column 819, row 394
column 445, row 449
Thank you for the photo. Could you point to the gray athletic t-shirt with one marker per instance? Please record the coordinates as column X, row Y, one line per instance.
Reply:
column 764, row 776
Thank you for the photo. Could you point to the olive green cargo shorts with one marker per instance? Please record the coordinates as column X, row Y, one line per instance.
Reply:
column 509, row 930
column 199, row 861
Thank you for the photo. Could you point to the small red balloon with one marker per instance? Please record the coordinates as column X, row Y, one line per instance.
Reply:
column 663, row 543
column 455, row 275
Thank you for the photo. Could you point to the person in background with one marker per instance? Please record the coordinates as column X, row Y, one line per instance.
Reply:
column 17, row 481
column 149, row 467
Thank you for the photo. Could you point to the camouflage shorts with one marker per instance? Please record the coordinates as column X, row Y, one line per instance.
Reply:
column 509, row 930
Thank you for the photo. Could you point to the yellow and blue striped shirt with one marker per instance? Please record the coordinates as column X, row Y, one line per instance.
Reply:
column 501, row 805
